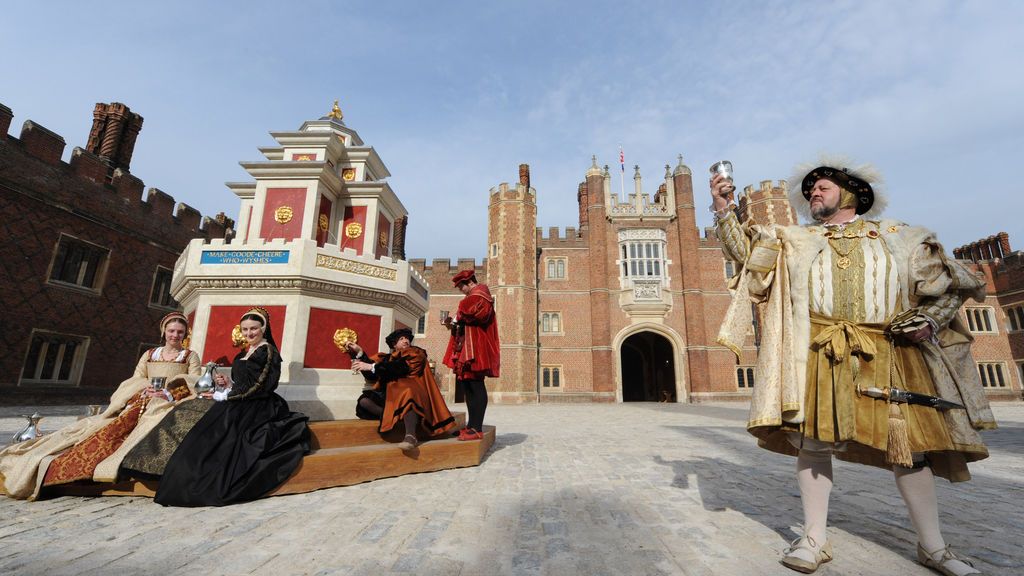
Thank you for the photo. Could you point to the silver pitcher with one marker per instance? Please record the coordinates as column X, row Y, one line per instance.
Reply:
column 31, row 431
column 205, row 382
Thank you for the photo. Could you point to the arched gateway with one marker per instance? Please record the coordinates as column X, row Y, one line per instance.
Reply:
column 648, row 368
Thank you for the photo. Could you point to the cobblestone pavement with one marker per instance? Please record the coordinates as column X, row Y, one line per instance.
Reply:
column 626, row 489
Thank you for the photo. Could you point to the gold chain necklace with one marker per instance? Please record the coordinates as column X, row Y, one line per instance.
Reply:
column 851, row 233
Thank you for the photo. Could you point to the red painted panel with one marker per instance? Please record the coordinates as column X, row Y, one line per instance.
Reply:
column 294, row 198
column 303, row 156
column 320, row 349
column 383, row 239
column 223, row 319
column 354, row 215
column 323, row 217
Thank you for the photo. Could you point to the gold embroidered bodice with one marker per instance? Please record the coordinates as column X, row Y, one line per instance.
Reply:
column 856, row 278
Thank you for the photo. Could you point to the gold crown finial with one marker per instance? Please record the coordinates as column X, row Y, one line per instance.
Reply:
column 335, row 112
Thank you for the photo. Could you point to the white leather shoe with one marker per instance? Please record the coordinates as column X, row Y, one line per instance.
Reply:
column 807, row 545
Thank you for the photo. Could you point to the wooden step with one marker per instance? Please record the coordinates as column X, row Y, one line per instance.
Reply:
column 334, row 466
column 341, row 433
column 329, row 467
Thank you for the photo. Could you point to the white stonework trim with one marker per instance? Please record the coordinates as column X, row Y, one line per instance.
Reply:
column 642, row 234
column 678, row 345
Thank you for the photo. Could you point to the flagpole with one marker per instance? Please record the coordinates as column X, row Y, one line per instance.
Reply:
column 622, row 175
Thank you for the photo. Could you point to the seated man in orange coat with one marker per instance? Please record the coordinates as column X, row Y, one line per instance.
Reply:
column 473, row 349
column 405, row 389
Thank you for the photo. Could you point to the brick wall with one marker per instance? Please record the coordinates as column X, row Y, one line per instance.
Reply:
column 42, row 197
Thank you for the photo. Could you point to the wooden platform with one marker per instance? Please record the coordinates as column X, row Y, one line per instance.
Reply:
column 344, row 452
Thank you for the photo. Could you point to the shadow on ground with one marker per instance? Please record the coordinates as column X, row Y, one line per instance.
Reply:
column 864, row 502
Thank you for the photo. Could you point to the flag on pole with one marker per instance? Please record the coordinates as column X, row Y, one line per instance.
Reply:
column 622, row 160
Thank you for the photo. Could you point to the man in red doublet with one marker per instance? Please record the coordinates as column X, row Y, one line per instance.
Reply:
column 473, row 350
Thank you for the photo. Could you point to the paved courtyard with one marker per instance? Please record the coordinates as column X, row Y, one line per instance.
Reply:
column 627, row 489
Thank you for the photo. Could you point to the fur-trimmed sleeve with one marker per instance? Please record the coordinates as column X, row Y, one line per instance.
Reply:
column 933, row 274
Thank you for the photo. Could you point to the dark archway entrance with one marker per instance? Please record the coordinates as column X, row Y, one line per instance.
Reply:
column 648, row 369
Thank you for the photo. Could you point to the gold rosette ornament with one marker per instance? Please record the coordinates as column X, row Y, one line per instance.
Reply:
column 354, row 230
column 324, row 222
column 343, row 336
column 237, row 340
column 283, row 214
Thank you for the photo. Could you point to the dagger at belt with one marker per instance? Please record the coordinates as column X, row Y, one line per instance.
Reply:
column 905, row 397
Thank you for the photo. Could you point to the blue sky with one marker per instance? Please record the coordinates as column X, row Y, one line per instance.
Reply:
column 455, row 95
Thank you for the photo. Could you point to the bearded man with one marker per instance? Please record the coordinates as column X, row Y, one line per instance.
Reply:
column 860, row 344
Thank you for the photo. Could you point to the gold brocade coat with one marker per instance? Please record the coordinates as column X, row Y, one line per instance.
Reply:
column 783, row 302
column 23, row 465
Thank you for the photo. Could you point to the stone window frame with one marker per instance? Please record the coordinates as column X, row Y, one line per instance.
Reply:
column 546, row 319
column 48, row 338
column 421, row 325
column 993, row 374
column 552, row 374
column 1015, row 316
column 99, row 275
column 171, row 304
column 553, row 262
column 494, row 250
column 729, row 268
column 746, row 377
column 981, row 319
column 642, row 239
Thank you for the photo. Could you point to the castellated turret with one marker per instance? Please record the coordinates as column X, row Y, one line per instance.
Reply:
column 766, row 204
column 512, row 278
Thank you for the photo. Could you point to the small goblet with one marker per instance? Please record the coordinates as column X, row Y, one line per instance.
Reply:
column 724, row 167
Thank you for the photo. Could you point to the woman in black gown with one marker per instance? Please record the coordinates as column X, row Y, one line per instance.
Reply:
column 249, row 442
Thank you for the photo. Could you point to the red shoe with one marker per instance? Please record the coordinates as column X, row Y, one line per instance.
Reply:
column 470, row 434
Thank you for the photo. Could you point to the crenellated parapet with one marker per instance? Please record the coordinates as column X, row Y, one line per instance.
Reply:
column 440, row 271
column 517, row 192
column 31, row 165
column 556, row 238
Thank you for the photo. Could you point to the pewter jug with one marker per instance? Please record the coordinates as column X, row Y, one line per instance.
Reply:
column 205, row 382
column 31, row 431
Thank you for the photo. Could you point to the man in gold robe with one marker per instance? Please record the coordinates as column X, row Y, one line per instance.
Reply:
column 854, row 309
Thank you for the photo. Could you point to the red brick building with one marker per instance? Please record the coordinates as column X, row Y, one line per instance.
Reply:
column 86, row 262
column 624, row 307
column 998, row 323
column 627, row 305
